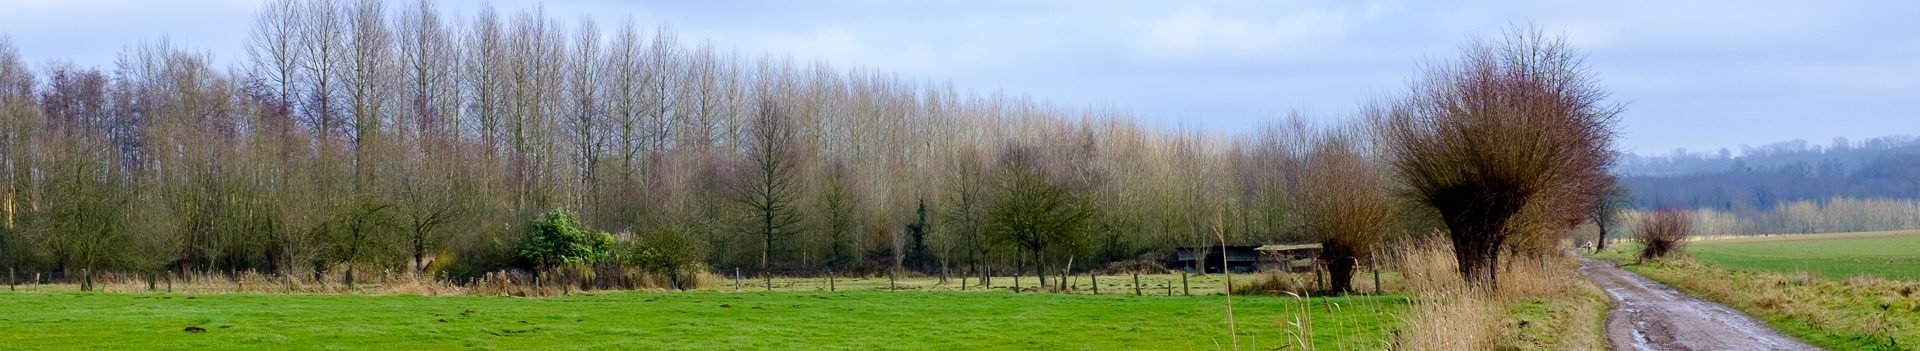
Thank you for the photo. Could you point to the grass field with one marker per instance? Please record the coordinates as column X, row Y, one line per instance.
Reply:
column 694, row 320
column 1890, row 255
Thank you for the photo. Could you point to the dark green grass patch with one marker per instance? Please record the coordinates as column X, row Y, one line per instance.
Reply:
column 700, row 320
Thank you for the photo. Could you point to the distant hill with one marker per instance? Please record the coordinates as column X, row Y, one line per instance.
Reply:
column 1761, row 177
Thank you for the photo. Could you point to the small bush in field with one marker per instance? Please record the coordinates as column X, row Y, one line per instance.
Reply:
column 557, row 239
column 1663, row 232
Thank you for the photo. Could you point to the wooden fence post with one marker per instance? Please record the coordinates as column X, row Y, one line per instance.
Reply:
column 1183, row 284
column 1016, row 278
column 736, row 279
column 1317, row 282
column 1095, row 277
column 1373, row 263
column 830, row 283
column 10, row 279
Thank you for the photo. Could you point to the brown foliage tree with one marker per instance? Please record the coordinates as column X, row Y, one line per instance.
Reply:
column 768, row 188
column 1344, row 202
column 1512, row 127
column 1662, row 233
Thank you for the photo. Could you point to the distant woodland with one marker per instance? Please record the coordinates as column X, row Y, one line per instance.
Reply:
column 1787, row 187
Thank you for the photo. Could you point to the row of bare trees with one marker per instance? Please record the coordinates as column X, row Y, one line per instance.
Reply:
column 362, row 135
column 1833, row 215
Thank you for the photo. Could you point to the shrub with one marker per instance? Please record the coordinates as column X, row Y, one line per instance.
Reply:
column 671, row 250
column 1663, row 232
column 556, row 239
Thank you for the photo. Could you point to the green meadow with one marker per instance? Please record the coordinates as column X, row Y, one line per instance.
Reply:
column 1889, row 255
column 689, row 320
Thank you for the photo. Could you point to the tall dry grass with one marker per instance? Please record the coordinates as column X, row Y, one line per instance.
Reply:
column 1449, row 314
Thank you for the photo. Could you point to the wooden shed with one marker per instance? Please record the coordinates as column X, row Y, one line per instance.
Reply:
column 1291, row 258
column 1238, row 259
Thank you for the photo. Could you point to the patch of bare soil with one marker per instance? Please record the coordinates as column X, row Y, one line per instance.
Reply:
column 1648, row 315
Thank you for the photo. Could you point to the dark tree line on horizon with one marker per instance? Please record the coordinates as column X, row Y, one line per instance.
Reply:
column 363, row 136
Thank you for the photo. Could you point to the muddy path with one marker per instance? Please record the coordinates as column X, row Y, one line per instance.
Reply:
column 1648, row 315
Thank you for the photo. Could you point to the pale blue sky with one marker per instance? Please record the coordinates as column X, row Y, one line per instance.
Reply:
column 1696, row 74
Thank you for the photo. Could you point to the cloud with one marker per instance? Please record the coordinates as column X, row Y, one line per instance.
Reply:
column 1203, row 33
column 1225, row 64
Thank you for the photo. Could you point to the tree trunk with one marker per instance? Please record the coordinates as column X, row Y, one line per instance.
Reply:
column 1476, row 227
column 1340, row 275
column 419, row 253
column 986, row 278
column 1601, row 244
column 1340, row 265
column 1095, row 279
column 1039, row 270
column 673, row 277
column 1064, row 273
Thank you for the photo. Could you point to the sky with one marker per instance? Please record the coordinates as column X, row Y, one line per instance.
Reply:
column 1699, row 75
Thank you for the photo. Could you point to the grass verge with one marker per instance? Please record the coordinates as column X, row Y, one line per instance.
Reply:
column 1541, row 303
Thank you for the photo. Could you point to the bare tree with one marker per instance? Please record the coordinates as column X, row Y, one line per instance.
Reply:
column 1035, row 209
column 584, row 82
column 769, row 188
column 321, row 29
column 967, row 204
column 838, row 204
column 1511, row 126
column 1344, row 201
column 273, row 47
column 1606, row 207
column 1663, row 232
column 368, row 81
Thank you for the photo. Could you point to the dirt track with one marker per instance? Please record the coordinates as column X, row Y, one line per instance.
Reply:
column 1648, row 315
